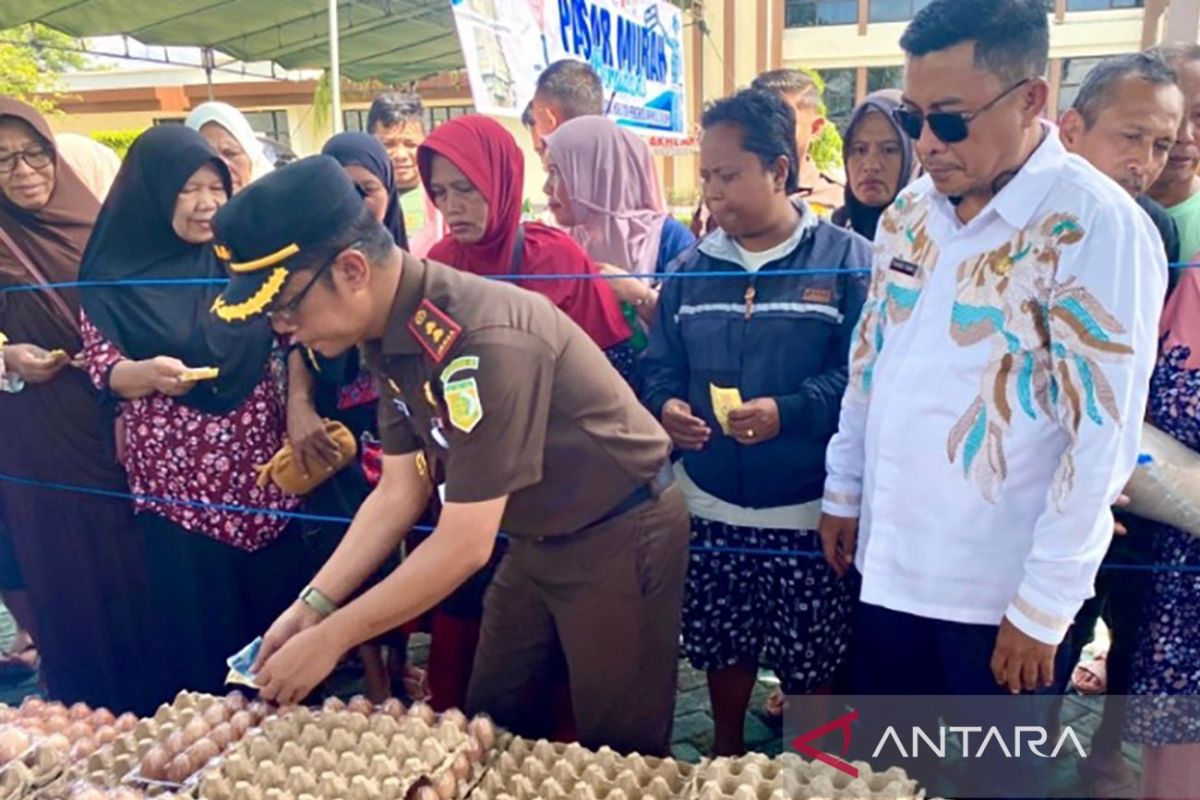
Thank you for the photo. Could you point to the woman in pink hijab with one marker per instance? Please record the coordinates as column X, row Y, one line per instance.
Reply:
column 603, row 188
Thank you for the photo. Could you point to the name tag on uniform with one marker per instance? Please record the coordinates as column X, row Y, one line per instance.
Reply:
column 817, row 296
column 904, row 267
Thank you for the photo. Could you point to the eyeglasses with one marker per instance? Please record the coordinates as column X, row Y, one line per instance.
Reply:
column 288, row 312
column 36, row 158
column 948, row 126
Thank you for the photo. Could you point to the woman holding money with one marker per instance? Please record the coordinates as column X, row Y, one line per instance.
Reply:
column 747, row 375
column 201, row 406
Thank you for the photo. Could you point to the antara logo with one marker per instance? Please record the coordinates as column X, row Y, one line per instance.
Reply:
column 1033, row 738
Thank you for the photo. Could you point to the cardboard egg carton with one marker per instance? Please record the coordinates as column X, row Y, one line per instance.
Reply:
column 350, row 755
column 542, row 770
column 791, row 777
column 109, row 767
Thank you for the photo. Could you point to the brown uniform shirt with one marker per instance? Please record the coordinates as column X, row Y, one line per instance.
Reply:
column 507, row 396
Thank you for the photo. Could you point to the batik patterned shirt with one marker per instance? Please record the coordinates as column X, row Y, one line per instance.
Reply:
column 998, row 380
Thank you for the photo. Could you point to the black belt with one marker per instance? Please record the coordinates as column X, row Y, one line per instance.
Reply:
column 647, row 491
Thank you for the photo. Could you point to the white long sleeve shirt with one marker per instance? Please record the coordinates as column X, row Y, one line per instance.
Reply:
column 998, row 379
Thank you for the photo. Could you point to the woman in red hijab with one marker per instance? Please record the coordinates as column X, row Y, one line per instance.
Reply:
column 475, row 175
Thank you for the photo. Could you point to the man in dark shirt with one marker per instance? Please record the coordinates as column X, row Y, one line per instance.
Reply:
column 1123, row 121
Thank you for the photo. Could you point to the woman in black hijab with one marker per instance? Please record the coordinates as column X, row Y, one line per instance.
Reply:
column 218, row 576
column 879, row 162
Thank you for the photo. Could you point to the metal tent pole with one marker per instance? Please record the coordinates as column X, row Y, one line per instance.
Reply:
column 335, row 72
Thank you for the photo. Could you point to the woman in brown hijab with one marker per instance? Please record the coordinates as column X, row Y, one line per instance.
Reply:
column 79, row 555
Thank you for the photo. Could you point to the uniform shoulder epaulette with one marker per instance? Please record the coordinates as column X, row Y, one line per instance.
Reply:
column 434, row 329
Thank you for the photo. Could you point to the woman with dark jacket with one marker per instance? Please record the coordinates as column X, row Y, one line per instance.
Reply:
column 747, row 375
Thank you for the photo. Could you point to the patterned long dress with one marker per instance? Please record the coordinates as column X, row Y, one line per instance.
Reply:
column 1166, row 671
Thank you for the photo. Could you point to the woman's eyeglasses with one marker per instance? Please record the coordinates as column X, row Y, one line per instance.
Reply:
column 35, row 157
column 948, row 126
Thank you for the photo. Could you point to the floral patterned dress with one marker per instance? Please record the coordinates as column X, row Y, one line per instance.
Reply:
column 1166, row 671
column 203, row 463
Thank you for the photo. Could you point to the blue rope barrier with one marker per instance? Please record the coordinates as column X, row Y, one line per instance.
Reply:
column 651, row 276
column 299, row 515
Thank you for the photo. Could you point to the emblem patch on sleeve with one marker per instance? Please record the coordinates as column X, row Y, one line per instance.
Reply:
column 464, row 404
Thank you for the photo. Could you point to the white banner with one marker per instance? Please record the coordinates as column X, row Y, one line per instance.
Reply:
column 636, row 46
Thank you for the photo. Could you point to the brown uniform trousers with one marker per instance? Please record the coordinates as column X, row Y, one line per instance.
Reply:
column 505, row 396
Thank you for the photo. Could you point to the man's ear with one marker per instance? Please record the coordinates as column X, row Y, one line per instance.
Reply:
column 1071, row 128
column 353, row 269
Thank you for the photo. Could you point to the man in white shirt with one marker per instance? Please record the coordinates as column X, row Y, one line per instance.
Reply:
column 998, row 375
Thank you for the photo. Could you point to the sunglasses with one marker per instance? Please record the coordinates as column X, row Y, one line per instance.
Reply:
column 948, row 126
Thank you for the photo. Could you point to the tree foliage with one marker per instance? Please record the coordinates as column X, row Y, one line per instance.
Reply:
column 826, row 149
column 32, row 59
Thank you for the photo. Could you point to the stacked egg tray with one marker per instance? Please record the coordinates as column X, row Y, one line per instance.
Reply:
column 546, row 771
column 384, row 753
column 40, row 741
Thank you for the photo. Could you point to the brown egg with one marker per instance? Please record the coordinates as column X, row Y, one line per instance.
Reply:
column 125, row 793
column 215, row 714
column 334, row 704
column 484, row 730
column 8, row 715
column 461, row 767
column 180, row 768
column 176, row 743
column 106, row 735
column 235, row 701
column 80, row 711
column 241, row 722
column 79, row 730
column 55, row 708
column 102, row 717
column 222, row 735
column 154, row 764
column 126, row 722
column 423, row 712
column 203, row 751
column 474, row 749
column 196, row 730
column 360, row 704
column 82, row 749
column 32, row 705
column 446, row 785
column 55, row 724
column 258, row 709
column 393, row 708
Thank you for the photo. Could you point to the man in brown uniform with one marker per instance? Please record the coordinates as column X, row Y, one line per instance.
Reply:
column 496, row 397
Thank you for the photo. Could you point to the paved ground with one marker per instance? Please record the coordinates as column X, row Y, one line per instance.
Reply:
column 693, row 718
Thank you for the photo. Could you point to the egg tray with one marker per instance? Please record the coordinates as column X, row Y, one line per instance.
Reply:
column 540, row 769
column 791, row 777
column 343, row 754
column 57, row 737
column 109, row 767
column 84, row 790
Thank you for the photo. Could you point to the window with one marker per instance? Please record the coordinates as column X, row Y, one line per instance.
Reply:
column 894, row 10
column 884, row 78
column 436, row 115
column 355, row 119
column 1074, row 70
column 804, row 13
column 1101, row 5
column 839, row 95
column 273, row 124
